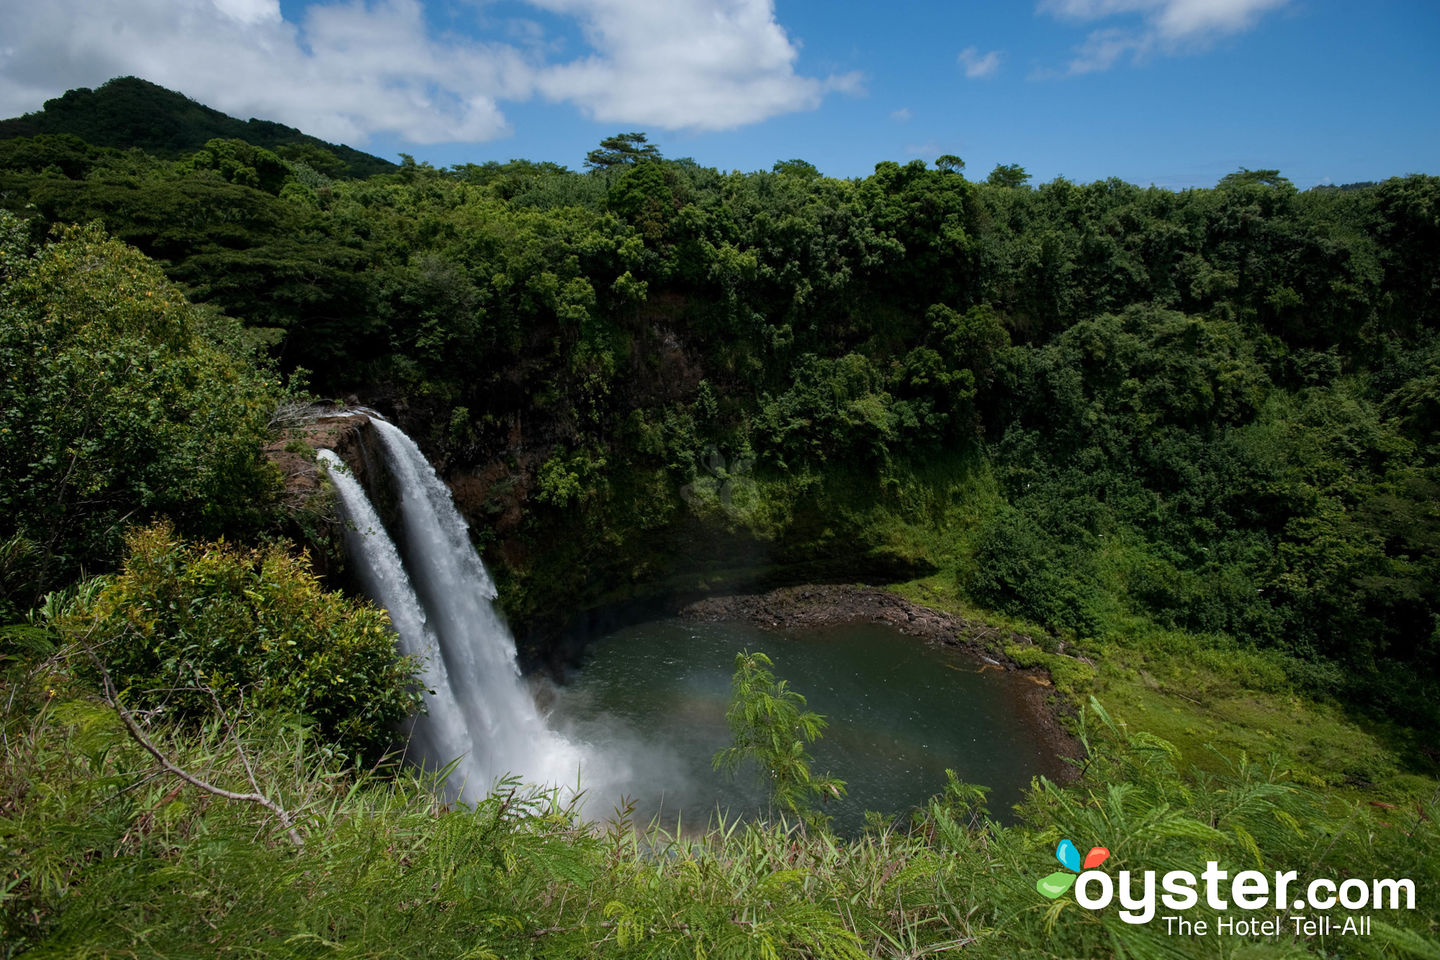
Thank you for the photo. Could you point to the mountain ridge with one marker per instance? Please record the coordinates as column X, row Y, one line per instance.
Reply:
column 132, row 112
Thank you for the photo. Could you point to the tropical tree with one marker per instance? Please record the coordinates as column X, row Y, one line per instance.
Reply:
column 623, row 149
column 771, row 728
column 119, row 401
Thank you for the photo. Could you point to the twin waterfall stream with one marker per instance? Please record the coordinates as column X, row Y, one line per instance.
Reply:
column 440, row 598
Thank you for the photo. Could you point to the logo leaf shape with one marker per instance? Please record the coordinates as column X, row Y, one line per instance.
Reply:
column 1055, row 884
column 1069, row 856
column 1066, row 853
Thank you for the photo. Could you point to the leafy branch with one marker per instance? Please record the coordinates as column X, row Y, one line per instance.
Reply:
column 770, row 727
column 112, row 698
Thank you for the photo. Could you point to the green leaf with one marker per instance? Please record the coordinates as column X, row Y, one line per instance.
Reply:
column 1055, row 884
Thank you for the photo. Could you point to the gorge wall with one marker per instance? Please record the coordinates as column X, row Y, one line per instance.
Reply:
column 568, row 571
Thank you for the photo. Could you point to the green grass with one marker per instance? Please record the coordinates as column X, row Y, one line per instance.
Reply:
column 1213, row 698
column 105, row 857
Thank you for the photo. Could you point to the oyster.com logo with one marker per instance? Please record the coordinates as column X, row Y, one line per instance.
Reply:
column 1061, row 880
column 1277, row 903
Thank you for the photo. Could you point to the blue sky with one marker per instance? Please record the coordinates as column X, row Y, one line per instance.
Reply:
column 1171, row 92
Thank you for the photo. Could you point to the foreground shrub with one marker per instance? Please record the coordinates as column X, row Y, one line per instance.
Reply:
column 771, row 728
column 185, row 628
column 99, row 856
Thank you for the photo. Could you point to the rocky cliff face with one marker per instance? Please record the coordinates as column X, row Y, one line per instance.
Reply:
column 293, row 452
column 314, row 522
column 564, row 573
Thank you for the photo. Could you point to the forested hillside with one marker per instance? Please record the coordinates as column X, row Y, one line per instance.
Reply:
column 128, row 112
column 1186, row 439
column 1211, row 409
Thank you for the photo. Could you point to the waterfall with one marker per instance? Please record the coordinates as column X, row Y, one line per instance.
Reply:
column 442, row 732
column 439, row 596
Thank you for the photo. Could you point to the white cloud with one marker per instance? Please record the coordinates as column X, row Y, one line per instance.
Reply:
column 1103, row 47
column 1095, row 9
column 250, row 11
column 977, row 64
column 1183, row 19
column 901, row 116
column 353, row 68
column 347, row 71
column 697, row 64
column 1168, row 27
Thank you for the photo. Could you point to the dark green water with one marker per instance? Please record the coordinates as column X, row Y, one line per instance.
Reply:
column 651, row 699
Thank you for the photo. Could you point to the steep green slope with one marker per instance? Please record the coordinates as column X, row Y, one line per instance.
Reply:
column 131, row 112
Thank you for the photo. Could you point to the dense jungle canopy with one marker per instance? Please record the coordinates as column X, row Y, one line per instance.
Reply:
column 1187, row 440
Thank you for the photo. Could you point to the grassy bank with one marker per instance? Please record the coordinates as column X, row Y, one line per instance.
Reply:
column 1215, row 700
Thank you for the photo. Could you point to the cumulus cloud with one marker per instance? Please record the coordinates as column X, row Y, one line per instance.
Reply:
column 349, row 69
column 699, row 64
column 1167, row 27
column 250, row 11
column 977, row 64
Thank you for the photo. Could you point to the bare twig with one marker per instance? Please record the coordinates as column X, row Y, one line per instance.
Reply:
column 240, row 751
column 138, row 735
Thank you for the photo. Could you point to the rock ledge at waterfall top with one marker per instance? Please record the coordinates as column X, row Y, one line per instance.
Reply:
column 297, row 466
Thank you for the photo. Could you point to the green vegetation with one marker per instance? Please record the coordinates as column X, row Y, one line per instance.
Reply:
column 128, row 112
column 1185, row 440
column 771, row 730
column 107, row 859
column 119, row 401
column 191, row 628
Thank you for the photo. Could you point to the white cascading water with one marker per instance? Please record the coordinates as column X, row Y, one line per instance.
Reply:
column 439, row 596
column 442, row 732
